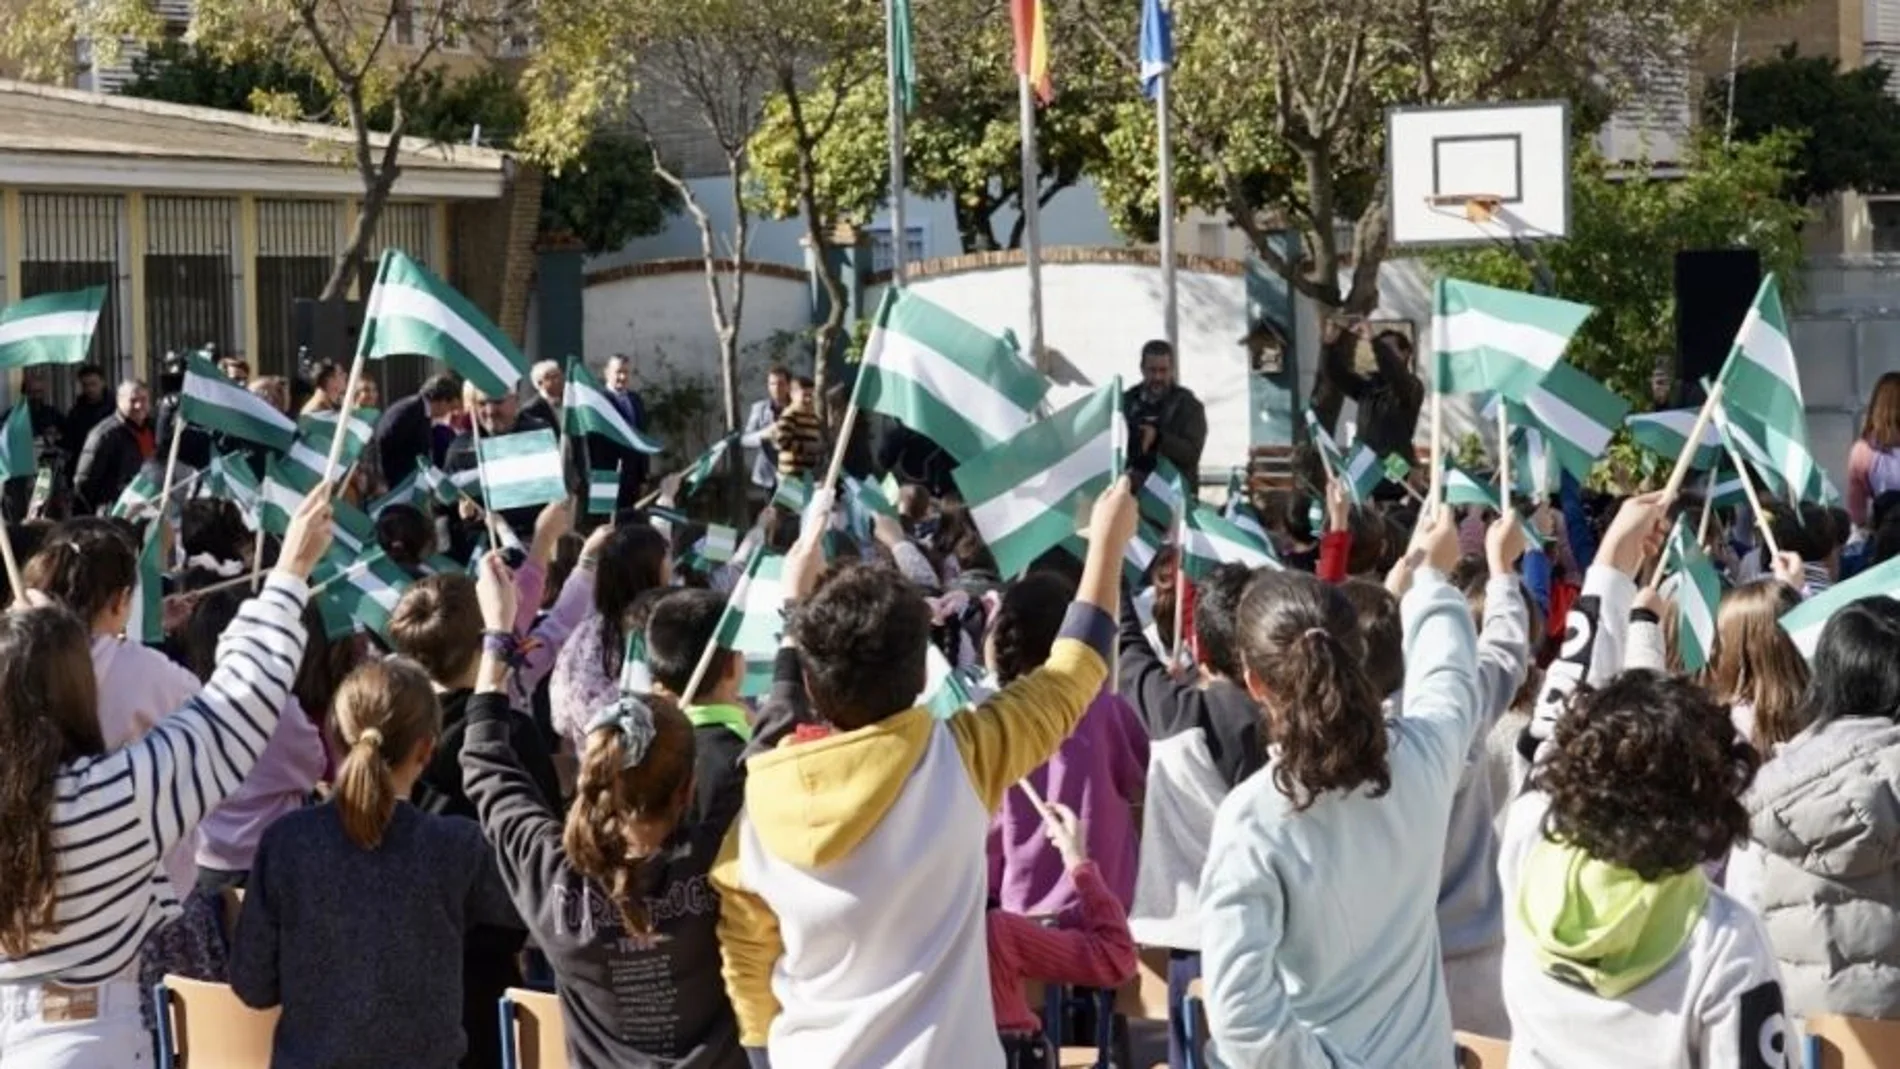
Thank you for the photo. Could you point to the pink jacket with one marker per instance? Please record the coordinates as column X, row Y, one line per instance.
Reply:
column 138, row 686
column 285, row 774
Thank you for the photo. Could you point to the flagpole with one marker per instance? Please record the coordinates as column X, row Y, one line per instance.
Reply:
column 481, row 480
column 1504, row 455
column 257, row 553
column 706, row 655
column 171, row 455
column 364, row 338
column 1435, row 490
column 1171, row 309
column 1681, row 472
column 1032, row 217
column 1708, row 507
column 1180, row 578
column 895, row 90
column 14, row 576
column 1748, row 486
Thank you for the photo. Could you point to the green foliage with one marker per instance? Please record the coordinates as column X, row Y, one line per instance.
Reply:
column 1847, row 126
column 1624, row 234
column 179, row 73
column 609, row 195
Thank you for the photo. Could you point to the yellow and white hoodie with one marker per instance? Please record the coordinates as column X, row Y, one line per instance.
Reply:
column 853, row 885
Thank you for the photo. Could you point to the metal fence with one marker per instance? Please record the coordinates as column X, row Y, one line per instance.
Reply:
column 410, row 228
column 296, row 249
column 70, row 242
column 192, row 286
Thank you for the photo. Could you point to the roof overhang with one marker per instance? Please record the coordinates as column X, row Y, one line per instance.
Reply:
column 67, row 170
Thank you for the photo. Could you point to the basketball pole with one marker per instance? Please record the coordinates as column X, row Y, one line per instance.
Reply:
column 1164, row 130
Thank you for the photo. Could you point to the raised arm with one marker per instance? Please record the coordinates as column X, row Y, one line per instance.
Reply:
column 1441, row 646
column 1504, row 640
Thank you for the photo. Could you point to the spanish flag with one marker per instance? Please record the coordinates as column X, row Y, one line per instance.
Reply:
column 1032, row 45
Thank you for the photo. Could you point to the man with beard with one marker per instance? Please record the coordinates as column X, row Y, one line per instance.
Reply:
column 1165, row 419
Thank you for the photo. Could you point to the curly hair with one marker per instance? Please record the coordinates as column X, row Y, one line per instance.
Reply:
column 1027, row 623
column 1300, row 637
column 863, row 636
column 1647, row 772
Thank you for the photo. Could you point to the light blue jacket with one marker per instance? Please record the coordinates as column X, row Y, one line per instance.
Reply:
column 1319, row 940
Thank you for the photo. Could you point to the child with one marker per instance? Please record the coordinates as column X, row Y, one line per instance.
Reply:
column 353, row 906
column 683, row 624
column 617, row 901
column 86, row 826
column 1340, row 830
column 631, row 561
column 1093, row 950
column 852, row 886
column 799, row 434
column 1618, row 950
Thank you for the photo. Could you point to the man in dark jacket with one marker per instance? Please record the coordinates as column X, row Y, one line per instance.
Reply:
column 115, row 451
column 404, row 432
column 90, row 408
column 1165, row 419
column 1389, row 397
column 635, row 466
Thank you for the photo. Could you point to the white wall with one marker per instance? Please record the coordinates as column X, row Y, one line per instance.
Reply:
column 1098, row 315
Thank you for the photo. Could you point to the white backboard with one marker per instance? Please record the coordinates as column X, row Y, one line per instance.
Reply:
column 1519, row 153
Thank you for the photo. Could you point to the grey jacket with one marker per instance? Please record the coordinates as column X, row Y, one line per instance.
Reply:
column 1825, row 819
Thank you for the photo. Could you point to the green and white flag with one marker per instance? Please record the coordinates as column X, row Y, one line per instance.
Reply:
column 1361, row 471
column 861, row 502
column 1755, row 443
column 139, row 497
column 319, row 428
column 411, row 312
column 1577, row 414
column 53, row 328
column 368, row 590
column 945, row 693
column 1026, row 495
column 510, row 542
column 1462, row 488
column 1761, row 390
column 1162, row 495
column 793, row 493
column 212, row 401
column 146, row 624
column 285, row 486
column 522, row 469
column 720, row 543
column 753, row 623
column 586, row 409
column 1666, row 434
column 603, row 491
column 1804, row 622
column 1487, row 339
column 953, row 382
column 704, row 467
column 1328, row 446
column 230, row 477
column 1209, row 542
column 351, row 528
column 636, row 675
column 18, row 458
column 409, row 492
column 1727, row 490
column 1698, row 596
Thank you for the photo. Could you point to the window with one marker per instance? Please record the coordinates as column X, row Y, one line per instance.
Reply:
column 914, row 244
column 1883, row 219
column 404, row 18
column 1210, row 239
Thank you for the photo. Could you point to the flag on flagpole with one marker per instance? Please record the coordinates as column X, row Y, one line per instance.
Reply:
column 53, row 328
column 409, row 492
column 18, row 456
column 1577, row 414
column 636, row 676
column 720, row 543
column 1761, row 379
column 603, row 491
column 139, row 497
column 1362, row 472
column 793, row 493
column 1239, row 509
column 1025, row 495
column 1766, row 452
column 704, row 467
column 320, row 427
column 1209, row 542
column 903, row 61
column 753, row 623
column 586, row 409
column 1666, row 434
column 368, row 590
column 1032, row 46
column 1156, row 50
column 1488, row 339
column 146, row 624
column 1728, row 491
column 1461, row 488
column 230, row 477
column 1162, row 495
column 1804, row 622
column 212, row 401
column 411, row 312
column 946, row 378
column 523, row 469
column 1329, row 454
column 351, row 528
column 1698, row 596
column 285, row 486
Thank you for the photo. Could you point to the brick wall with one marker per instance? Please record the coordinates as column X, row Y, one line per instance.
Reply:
column 492, row 250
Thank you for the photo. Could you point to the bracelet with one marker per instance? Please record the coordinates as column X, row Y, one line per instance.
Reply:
column 498, row 643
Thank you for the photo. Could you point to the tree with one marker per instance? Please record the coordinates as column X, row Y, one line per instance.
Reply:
column 1624, row 234
column 1847, row 126
column 1279, row 107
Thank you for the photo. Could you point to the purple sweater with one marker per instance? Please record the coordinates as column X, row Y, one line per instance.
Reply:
column 1098, row 772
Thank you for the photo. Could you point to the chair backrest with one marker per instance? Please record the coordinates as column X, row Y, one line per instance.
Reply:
column 1482, row 1052
column 1852, row 1042
column 538, row 1038
column 211, row 1029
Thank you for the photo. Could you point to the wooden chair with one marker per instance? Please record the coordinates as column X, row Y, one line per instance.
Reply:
column 533, row 1036
column 1835, row 1042
column 1482, row 1052
column 204, row 1026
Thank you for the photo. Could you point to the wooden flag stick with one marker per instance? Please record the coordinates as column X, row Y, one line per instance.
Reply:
column 1435, row 492
column 1708, row 509
column 1754, row 499
column 1504, row 454
column 850, row 423
column 1681, row 472
column 1180, row 579
column 14, row 577
column 706, row 655
column 257, row 554
column 481, row 480
column 171, row 457
column 343, row 416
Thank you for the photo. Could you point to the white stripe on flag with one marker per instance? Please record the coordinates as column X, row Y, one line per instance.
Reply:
column 401, row 300
column 49, row 325
column 1002, row 516
column 1768, row 349
column 1472, row 329
column 527, row 468
column 955, row 387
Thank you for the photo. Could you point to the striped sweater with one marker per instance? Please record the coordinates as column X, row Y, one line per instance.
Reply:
column 116, row 815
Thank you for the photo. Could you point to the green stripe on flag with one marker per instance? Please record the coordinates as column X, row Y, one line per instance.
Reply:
column 139, row 497
column 945, row 694
column 411, row 312
column 603, row 491
column 1761, row 394
column 1533, row 464
column 368, row 590
column 1577, row 414
column 1462, row 488
column 146, row 624
column 962, row 387
column 1209, row 542
column 705, row 465
column 212, row 401
column 586, row 409
column 284, row 487
column 52, row 328
column 1162, row 496
column 1666, row 434
column 753, row 622
column 18, row 457
column 720, row 543
column 793, row 493
column 1805, row 621
column 1361, row 472
column 1029, row 493
column 1698, row 596
column 522, row 469
column 1488, row 339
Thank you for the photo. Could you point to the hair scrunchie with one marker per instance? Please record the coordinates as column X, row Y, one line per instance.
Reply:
column 633, row 718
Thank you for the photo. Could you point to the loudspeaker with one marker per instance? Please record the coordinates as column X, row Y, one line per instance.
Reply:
column 324, row 330
column 1714, row 288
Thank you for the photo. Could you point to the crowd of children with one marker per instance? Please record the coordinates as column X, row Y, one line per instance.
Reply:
column 1425, row 775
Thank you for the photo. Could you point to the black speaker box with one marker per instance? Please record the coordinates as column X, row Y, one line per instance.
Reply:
column 1714, row 288
column 325, row 330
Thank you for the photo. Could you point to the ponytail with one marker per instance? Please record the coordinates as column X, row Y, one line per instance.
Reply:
column 384, row 711
column 634, row 783
column 1323, row 712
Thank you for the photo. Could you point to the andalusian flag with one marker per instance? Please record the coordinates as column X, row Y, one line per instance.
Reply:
column 367, row 591
column 947, row 379
column 1577, row 414
column 1666, row 434
column 903, row 61
column 720, row 543
column 230, row 477
column 212, row 401
column 146, row 624
column 754, row 621
column 1486, row 339
column 1025, row 496
column 18, row 457
column 1162, row 495
column 1208, row 542
column 1533, row 464
column 793, row 494
column 1323, row 440
column 319, row 428
column 586, row 409
column 1032, row 45
column 1362, row 472
column 1239, row 509
column 1805, row 621
column 285, row 486
column 53, row 328
column 1761, row 380
column 704, row 467
column 139, row 497
column 1462, row 488
column 522, row 470
column 351, row 528
column 411, row 312
column 603, row 491
column 1698, row 596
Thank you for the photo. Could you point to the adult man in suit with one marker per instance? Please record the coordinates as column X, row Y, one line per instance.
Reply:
column 550, row 389
column 405, row 433
column 498, row 415
column 635, row 466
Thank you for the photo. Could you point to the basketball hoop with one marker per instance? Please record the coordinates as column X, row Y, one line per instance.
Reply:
column 1477, row 208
